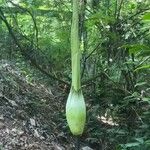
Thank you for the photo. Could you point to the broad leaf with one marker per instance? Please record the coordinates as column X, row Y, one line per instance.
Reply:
column 143, row 67
column 146, row 16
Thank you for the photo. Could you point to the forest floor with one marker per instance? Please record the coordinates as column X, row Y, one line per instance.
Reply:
column 31, row 114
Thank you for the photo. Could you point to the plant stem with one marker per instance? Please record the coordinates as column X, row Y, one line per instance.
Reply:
column 75, row 50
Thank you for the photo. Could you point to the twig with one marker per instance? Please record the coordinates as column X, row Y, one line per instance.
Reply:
column 137, row 115
column 93, row 51
column 119, row 9
column 142, row 62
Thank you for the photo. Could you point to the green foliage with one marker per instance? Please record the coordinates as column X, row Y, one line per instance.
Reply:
column 139, row 144
column 146, row 16
column 115, row 43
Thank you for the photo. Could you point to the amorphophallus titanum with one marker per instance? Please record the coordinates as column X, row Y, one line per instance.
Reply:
column 75, row 107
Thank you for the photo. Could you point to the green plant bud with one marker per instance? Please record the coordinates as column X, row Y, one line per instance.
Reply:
column 76, row 112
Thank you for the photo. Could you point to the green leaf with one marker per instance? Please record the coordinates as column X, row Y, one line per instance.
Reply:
column 143, row 67
column 128, row 145
column 140, row 140
column 146, row 99
column 140, row 84
column 1, row 2
column 136, row 48
column 146, row 16
column 144, row 53
column 147, row 141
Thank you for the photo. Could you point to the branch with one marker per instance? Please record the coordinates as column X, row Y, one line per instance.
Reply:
column 85, row 83
column 84, row 62
column 93, row 51
column 116, row 6
column 34, row 21
column 33, row 61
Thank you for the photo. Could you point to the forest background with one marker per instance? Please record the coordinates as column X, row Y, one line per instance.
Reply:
column 115, row 43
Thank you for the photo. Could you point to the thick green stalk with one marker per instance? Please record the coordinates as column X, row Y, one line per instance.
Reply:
column 75, row 48
column 75, row 106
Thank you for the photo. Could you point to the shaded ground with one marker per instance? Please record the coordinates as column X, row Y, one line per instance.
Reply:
column 32, row 116
column 29, row 113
